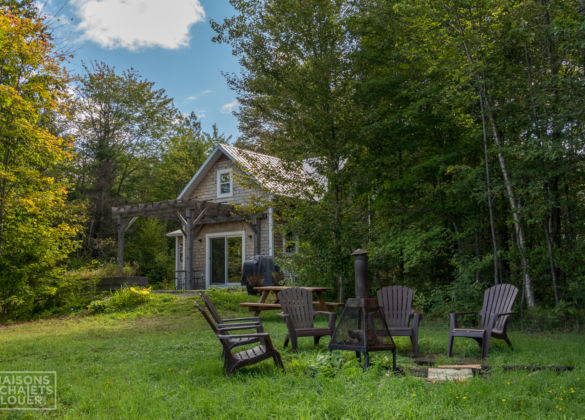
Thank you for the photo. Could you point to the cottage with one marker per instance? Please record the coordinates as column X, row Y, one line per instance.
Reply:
column 215, row 236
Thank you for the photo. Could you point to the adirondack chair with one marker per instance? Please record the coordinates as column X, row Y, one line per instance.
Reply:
column 396, row 303
column 298, row 313
column 224, row 329
column 497, row 308
column 234, row 361
column 218, row 319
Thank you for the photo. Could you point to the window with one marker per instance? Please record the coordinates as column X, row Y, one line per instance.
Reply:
column 224, row 183
column 290, row 243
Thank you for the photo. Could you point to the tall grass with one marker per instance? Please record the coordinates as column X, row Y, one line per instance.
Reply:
column 160, row 360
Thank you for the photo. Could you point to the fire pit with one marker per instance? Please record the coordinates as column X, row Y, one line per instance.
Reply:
column 362, row 327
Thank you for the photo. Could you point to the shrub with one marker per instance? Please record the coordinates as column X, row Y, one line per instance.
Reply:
column 127, row 297
column 98, row 306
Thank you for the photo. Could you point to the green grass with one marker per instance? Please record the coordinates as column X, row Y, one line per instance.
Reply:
column 159, row 360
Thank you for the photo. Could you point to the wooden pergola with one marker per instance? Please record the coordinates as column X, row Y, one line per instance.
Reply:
column 192, row 216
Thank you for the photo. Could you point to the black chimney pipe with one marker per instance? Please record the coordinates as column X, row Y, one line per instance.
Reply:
column 360, row 263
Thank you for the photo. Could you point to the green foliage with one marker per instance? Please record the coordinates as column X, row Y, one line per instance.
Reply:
column 127, row 297
column 98, row 306
column 152, row 251
column 120, row 123
column 38, row 229
column 295, row 103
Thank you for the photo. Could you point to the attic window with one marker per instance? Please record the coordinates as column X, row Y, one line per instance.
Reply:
column 224, row 183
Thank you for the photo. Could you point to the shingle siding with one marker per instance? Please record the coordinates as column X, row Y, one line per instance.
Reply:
column 206, row 190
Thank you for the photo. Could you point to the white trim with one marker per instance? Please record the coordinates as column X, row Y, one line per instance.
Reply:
column 231, row 234
column 177, row 259
column 211, row 159
column 221, row 172
column 270, row 232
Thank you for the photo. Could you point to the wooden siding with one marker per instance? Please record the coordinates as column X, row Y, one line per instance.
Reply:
column 207, row 191
column 207, row 188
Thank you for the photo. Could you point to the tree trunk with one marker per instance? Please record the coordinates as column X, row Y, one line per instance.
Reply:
column 521, row 241
column 3, row 187
column 551, row 260
column 489, row 192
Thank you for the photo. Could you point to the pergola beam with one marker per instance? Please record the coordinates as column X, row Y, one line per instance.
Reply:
column 190, row 214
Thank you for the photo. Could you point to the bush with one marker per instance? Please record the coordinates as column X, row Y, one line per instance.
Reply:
column 127, row 297
column 98, row 306
column 564, row 317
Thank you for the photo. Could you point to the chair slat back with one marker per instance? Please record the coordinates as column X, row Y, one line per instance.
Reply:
column 211, row 308
column 298, row 304
column 396, row 303
column 496, row 300
column 207, row 318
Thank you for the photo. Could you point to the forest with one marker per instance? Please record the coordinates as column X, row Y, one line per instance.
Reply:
column 450, row 134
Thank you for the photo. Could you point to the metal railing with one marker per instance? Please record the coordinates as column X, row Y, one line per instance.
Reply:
column 197, row 280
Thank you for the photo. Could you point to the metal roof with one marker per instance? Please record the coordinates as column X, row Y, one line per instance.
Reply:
column 268, row 172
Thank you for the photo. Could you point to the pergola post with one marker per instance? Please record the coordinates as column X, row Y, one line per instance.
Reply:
column 188, row 222
column 122, row 229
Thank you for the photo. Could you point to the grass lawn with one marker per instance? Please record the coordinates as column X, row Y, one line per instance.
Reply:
column 161, row 360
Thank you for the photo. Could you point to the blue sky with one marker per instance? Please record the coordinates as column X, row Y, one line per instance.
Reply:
column 167, row 41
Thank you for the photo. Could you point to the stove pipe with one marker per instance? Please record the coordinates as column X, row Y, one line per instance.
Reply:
column 362, row 327
column 360, row 264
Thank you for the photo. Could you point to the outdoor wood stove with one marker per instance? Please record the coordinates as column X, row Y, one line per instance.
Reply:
column 362, row 327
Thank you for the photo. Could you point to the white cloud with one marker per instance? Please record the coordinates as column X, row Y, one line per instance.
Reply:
column 201, row 113
column 195, row 97
column 132, row 24
column 228, row 108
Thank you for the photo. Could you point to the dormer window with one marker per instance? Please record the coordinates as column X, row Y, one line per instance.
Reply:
column 225, row 187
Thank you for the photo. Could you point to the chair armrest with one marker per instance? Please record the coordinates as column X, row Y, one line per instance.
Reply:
column 255, row 335
column 416, row 317
column 247, row 319
column 332, row 317
column 453, row 317
column 505, row 313
column 236, row 327
column 324, row 313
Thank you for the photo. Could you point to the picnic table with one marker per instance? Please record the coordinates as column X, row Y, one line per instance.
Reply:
column 265, row 305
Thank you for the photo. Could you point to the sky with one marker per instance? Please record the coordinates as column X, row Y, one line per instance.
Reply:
column 167, row 41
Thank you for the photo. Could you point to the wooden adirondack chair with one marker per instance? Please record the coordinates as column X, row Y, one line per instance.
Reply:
column 223, row 329
column 497, row 308
column 234, row 361
column 396, row 303
column 218, row 319
column 298, row 313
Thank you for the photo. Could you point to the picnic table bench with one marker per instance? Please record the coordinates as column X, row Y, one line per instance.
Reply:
column 263, row 305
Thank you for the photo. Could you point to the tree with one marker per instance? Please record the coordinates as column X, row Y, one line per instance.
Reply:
column 38, row 229
column 121, row 122
column 295, row 103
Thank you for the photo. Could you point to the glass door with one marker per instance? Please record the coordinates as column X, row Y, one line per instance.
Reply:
column 218, row 254
column 225, row 259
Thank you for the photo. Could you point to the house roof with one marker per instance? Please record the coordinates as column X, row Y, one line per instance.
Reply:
column 268, row 172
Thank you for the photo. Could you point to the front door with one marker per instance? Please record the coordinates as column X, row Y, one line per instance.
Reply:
column 225, row 258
